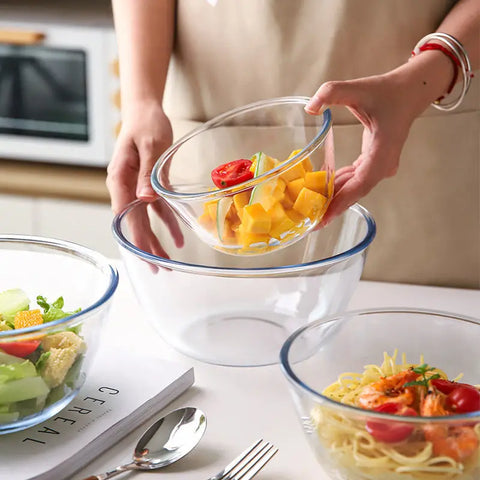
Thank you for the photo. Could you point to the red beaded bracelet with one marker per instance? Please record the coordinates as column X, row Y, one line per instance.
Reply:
column 451, row 56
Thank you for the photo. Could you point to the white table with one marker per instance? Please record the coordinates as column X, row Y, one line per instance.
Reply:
column 244, row 404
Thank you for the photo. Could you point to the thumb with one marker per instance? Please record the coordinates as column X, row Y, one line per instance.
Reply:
column 331, row 93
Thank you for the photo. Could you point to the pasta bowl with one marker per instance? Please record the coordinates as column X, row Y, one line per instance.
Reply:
column 252, row 180
column 389, row 394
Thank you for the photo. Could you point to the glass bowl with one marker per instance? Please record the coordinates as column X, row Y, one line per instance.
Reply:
column 293, row 168
column 231, row 309
column 345, row 438
column 43, row 366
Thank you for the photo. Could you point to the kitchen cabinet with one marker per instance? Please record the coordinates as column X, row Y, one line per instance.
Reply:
column 86, row 223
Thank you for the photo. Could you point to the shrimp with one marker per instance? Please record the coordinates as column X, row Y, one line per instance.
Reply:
column 454, row 441
column 389, row 389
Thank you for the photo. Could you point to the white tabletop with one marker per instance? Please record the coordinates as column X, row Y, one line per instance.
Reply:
column 245, row 404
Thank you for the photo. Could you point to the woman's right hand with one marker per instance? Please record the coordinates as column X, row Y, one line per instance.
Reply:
column 145, row 134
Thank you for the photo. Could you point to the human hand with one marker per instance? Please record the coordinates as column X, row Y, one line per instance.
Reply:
column 381, row 104
column 145, row 134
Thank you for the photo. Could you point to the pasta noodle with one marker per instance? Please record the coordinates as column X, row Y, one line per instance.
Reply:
column 348, row 446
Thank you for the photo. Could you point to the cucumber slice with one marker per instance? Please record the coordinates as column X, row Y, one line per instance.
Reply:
column 9, row 417
column 263, row 165
column 11, row 302
column 6, row 359
column 22, row 389
column 223, row 206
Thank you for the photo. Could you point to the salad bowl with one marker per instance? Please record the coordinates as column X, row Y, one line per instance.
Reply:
column 54, row 298
column 389, row 393
column 252, row 180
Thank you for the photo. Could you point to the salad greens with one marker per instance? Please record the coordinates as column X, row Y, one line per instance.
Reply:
column 42, row 369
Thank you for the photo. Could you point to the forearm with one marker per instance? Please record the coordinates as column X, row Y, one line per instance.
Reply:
column 428, row 75
column 145, row 30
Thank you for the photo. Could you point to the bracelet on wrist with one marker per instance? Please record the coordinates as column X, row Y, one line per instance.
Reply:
column 455, row 51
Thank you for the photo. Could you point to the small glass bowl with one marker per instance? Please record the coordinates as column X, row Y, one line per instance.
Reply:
column 52, row 269
column 288, row 196
column 231, row 309
column 316, row 355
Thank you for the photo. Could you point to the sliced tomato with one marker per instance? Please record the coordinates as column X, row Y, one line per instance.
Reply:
column 464, row 399
column 447, row 386
column 20, row 349
column 232, row 173
column 391, row 431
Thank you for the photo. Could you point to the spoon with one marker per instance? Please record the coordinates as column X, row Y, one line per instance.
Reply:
column 165, row 442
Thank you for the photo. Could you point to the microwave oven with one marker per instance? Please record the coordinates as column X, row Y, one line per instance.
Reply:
column 59, row 86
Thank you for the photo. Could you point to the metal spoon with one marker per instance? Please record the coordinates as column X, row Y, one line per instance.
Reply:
column 165, row 442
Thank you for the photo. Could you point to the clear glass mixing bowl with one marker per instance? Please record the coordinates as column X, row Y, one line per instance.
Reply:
column 291, row 190
column 231, row 309
column 51, row 268
column 317, row 354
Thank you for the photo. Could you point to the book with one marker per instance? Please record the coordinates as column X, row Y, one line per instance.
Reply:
column 120, row 393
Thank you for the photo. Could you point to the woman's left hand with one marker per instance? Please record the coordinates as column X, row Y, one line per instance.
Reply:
column 380, row 103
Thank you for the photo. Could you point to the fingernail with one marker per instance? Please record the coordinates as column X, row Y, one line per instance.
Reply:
column 314, row 107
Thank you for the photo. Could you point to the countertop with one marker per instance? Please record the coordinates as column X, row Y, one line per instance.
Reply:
column 53, row 180
column 244, row 404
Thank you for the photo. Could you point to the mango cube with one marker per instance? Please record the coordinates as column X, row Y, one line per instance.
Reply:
column 211, row 208
column 294, row 216
column 255, row 219
column 276, row 213
column 241, row 199
column 281, row 227
column 308, row 202
column 294, row 187
column 270, row 193
column 316, row 181
column 246, row 238
column 307, row 164
column 297, row 171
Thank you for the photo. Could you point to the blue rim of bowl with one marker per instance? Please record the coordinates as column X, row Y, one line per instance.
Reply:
column 250, row 272
column 95, row 258
column 297, row 382
column 315, row 143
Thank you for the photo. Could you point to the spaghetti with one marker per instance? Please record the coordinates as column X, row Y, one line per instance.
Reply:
column 362, row 456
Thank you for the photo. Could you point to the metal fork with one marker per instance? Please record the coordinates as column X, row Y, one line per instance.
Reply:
column 248, row 463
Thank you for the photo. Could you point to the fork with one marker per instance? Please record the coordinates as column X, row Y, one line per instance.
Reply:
column 248, row 463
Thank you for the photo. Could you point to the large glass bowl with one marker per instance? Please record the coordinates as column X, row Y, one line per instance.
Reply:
column 316, row 355
column 231, row 309
column 52, row 269
column 294, row 166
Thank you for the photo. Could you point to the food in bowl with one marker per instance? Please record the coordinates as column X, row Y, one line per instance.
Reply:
column 223, row 150
column 270, row 213
column 34, row 371
column 415, row 434
column 381, row 448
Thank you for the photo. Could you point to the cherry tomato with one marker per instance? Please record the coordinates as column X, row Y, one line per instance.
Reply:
column 464, row 399
column 447, row 386
column 232, row 173
column 20, row 349
column 388, row 431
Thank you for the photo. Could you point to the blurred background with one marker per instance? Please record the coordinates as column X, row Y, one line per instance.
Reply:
column 59, row 115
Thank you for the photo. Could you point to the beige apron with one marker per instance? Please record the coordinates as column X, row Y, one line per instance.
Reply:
column 240, row 51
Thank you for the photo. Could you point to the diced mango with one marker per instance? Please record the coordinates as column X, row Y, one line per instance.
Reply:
column 276, row 213
column 287, row 202
column 246, row 238
column 294, row 187
column 27, row 318
column 307, row 164
column 308, row 202
column 295, row 216
column 331, row 185
column 316, row 181
column 297, row 171
column 206, row 221
column 280, row 227
column 241, row 199
column 256, row 219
